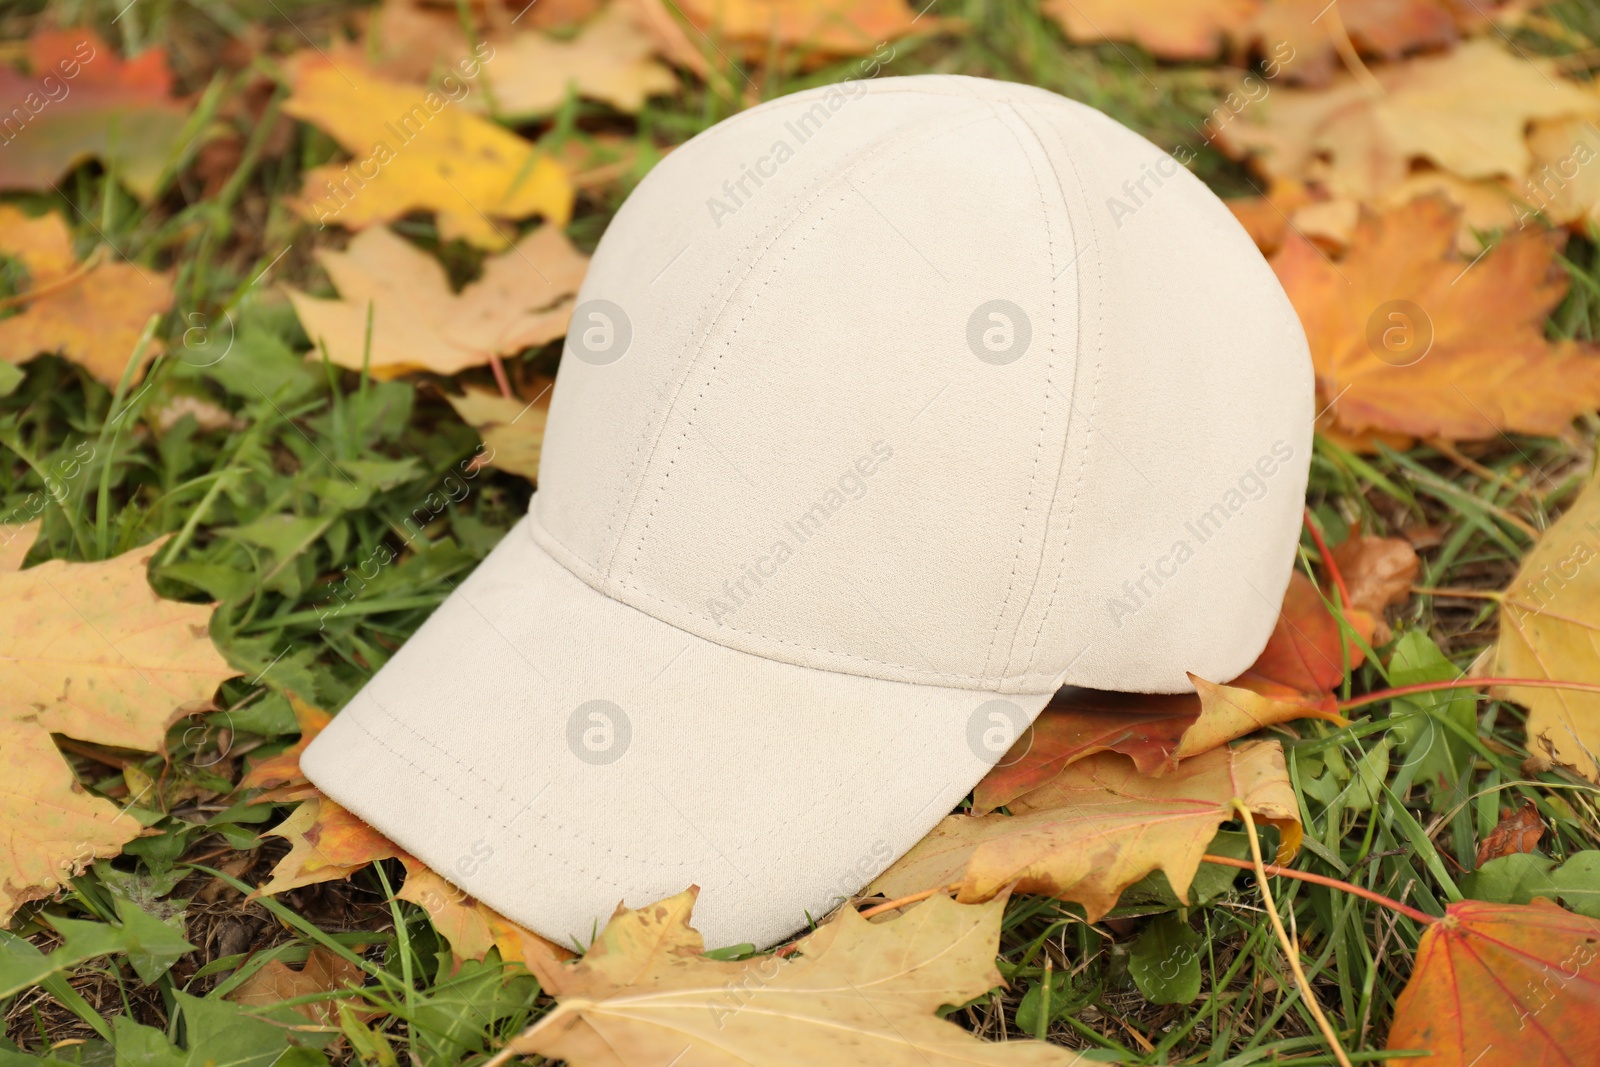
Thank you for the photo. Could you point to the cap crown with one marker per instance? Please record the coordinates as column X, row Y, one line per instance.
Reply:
column 940, row 380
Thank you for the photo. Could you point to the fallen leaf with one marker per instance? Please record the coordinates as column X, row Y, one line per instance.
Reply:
column 1502, row 985
column 1294, row 36
column 1410, row 338
column 1517, row 831
column 83, row 102
column 1099, row 826
column 327, row 843
column 1266, row 218
column 1548, row 620
column 1361, row 144
column 512, row 428
column 853, row 992
column 1378, row 572
column 93, row 313
column 1078, row 723
column 1303, row 663
column 472, row 927
column 417, row 150
column 89, row 651
column 1563, row 184
column 322, row 972
column 522, row 299
column 1308, row 40
column 818, row 28
column 610, row 59
column 1293, row 678
column 1171, row 29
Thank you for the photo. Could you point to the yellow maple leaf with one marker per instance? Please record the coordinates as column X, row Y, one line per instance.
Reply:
column 92, row 313
column 1363, row 143
column 473, row 928
column 327, row 842
column 819, row 27
column 1174, row 29
column 1099, row 826
column 610, row 59
column 512, row 428
column 523, row 298
column 855, row 992
column 415, row 149
column 89, row 651
column 1549, row 616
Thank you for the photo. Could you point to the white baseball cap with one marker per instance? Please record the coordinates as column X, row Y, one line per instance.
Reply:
column 886, row 409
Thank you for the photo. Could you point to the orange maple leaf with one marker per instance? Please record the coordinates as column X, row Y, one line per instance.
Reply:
column 1409, row 337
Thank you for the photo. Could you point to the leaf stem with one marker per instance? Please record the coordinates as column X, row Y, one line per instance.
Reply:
column 1462, row 683
column 1327, row 561
column 1289, row 948
column 1333, row 883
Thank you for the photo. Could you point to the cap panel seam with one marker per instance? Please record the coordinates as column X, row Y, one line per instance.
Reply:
column 684, row 618
column 640, row 464
column 1094, row 396
column 1044, row 424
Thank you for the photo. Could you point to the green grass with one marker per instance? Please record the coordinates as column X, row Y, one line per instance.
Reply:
column 271, row 510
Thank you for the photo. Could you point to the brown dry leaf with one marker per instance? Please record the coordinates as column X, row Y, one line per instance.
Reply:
column 610, row 60
column 1433, row 108
column 415, row 150
column 1308, row 41
column 854, row 993
column 753, row 28
column 523, row 298
column 1517, row 831
column 1171, row 29
column 1293, row 678
column 81, row 101
column 1099, row 826
column 1296, row 36
column 512, row 428
column 473, row 928
column 323, row 972
column 93, row 313
column 280, row 775
column 1378, row 572
column 90, row 651
column 327, row 843
column 1410, row 338
column 1550, row 628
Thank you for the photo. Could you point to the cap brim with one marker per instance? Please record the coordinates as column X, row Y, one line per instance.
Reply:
column 554, row 752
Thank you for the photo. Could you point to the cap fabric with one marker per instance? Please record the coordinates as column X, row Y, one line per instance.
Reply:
column 886, row 409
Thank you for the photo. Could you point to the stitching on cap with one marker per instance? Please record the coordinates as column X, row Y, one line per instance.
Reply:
column 824, row 183
column 1044, row 423
column 1094, row 396
column 475, row 776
